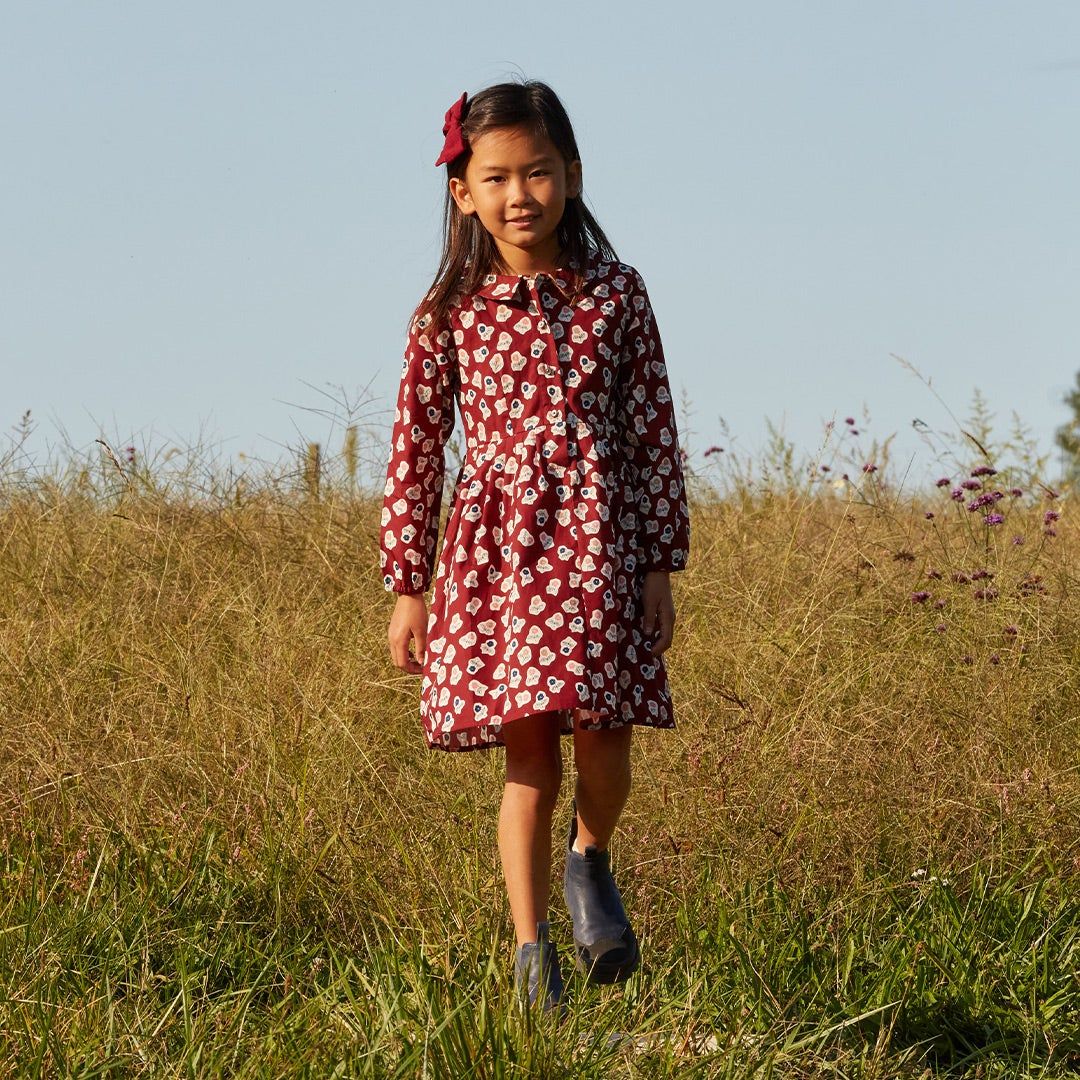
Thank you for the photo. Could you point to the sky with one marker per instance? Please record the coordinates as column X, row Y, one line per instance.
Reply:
column 215, row 219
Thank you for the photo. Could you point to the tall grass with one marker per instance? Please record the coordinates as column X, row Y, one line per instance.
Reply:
column 227, row 852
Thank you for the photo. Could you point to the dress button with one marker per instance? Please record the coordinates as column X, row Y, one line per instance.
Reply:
column 542, row 325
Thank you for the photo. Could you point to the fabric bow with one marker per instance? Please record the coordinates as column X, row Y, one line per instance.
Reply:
column 455, row 139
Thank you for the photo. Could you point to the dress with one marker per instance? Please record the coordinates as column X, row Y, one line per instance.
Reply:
column 571, row 488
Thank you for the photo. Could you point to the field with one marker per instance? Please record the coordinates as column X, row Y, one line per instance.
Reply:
column 226, row 850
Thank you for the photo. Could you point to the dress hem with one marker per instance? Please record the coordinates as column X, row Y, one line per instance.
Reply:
column 566, row 728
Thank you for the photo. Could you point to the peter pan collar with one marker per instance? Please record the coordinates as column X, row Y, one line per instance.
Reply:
column 515, row 286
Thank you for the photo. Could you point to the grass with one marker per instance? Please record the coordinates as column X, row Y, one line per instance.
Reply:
column 227, row 852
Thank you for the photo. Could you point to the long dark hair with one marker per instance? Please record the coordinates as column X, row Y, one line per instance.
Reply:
column 469, row 252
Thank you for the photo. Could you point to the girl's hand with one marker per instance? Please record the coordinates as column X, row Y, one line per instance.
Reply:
column 408, row 623
column 659, row 609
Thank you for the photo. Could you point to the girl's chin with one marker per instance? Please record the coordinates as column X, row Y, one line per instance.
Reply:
column 536, row 246
column 526, row 238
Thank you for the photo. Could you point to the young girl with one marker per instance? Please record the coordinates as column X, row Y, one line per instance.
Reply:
column 552, row 602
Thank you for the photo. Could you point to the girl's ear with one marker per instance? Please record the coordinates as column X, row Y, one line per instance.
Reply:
column 573, row 179
column 460, row 192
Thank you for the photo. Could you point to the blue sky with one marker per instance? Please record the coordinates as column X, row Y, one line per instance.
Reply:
column 211, row 214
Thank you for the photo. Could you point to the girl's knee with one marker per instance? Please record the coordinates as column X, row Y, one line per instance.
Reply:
column 534, row 756
column 538, row 785
column 604, row 751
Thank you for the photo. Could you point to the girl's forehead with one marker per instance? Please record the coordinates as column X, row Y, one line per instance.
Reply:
column 510, row 145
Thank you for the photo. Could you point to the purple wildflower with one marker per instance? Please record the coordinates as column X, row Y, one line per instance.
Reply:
column 978, row 575
column 944, row 482
column 1051, row 516
column 826, row 468
column 1018, row 541
column 920, row 597
column 714, row 450
column 994, row 658
column 971, row 485
column 850, row 421
column 1032, row 583
column 935, row 574
column 967, row 659
column 1016, row 492
column 939, row 604
column 989, row 593
column 869, row 468
column 957, row 495
column 929, row 515
column 1050, row 493
column 941, row 628
column 984, row 470
column 1011, row 631
column 1049, row 532
column 994, row 519
column 960, row 577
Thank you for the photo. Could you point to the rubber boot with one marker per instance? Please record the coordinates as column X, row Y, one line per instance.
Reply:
column 537, row 974
column 604, row 942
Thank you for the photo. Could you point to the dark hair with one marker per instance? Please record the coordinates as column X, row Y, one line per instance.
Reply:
column 469, row 252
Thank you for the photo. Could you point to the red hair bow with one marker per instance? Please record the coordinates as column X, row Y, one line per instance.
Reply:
column 455, row 140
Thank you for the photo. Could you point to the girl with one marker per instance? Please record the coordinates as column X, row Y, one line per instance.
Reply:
column 552, row 602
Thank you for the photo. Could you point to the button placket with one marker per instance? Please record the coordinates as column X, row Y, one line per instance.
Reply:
column 564, row 428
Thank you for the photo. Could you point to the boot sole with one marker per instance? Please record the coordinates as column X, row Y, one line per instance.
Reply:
column 604, row 972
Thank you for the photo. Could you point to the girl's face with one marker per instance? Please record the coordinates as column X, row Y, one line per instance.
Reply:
column 517, row 184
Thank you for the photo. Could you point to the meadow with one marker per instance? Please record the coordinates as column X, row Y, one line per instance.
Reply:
column 226, row 850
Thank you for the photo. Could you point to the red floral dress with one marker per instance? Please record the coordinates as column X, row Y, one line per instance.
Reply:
column 571, row 489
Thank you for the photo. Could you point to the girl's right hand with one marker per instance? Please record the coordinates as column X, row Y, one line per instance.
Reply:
column 408, row 623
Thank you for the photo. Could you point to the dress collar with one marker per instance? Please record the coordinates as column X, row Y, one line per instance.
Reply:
column 508, row 286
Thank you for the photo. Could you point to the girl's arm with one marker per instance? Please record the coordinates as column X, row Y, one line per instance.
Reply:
column 423, row 421
column 647, row 417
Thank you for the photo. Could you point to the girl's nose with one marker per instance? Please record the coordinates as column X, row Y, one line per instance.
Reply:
column 518, row 193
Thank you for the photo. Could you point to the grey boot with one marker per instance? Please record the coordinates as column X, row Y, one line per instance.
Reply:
column 536, row 971
column 607, row 950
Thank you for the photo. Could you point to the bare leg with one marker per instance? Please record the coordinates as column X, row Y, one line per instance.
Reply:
column 603, row 783
column 533, row 779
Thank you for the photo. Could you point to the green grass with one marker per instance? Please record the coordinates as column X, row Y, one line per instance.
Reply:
column 159, row 958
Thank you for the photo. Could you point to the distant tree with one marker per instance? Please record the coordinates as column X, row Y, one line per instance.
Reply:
column 1068, row 435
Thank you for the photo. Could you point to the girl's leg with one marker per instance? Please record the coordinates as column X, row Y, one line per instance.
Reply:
column 533, row 779
column 605, row 944
column 602, row 759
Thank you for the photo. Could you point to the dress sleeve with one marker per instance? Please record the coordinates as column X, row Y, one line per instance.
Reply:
column 423, row 421
column 647, row 421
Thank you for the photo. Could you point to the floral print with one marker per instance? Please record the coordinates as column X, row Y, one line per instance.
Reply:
column 571, row 489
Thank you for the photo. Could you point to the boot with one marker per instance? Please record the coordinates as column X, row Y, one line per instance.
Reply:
column 536, row 971
column 605, row 946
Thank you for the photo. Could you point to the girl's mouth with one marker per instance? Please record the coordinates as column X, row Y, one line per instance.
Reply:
column 523, row 222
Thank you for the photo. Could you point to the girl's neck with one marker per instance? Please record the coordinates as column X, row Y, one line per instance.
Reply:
column 530, row 262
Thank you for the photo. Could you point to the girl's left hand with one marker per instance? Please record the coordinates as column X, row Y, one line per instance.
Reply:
column 659, row 609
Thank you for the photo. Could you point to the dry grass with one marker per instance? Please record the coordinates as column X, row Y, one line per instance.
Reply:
column 181, row 667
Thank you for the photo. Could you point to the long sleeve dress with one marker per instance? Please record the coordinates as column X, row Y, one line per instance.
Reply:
column 571, row 489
